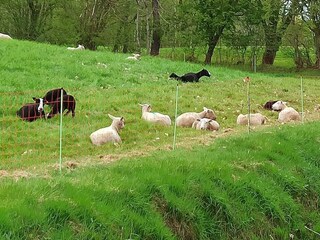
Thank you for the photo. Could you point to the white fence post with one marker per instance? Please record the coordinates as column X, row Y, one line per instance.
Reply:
column 175, row 120
column 61, row 107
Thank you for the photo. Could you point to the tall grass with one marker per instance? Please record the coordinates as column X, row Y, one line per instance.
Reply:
column 258, row 186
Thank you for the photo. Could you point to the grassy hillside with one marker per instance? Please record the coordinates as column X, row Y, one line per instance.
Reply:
column 103, row 82
column 223, row 185
column 260, row 186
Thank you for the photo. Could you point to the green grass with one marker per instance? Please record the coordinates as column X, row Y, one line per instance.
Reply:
column 224, row 185
column 30, row 69
column 253, row 186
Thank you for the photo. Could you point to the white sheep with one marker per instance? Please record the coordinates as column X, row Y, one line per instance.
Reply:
column 206, row 124
column 255, row 119
column 4, row 36
column 108, row 134
column 135, row 56
column 80, row 47
column 188, row 118
column 154, row 117
column 286, row 114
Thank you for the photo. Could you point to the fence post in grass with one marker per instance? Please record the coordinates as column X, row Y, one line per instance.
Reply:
column 302, row 110
column 247, row 81
column 175, row 120
column 254, row 62
column 60, row 152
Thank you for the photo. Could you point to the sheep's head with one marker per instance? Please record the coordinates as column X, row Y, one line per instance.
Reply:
column 145, row 107
column 279, row 105
column 209, row 113
column 204, row 123
column 117, row 122
column 205, row 72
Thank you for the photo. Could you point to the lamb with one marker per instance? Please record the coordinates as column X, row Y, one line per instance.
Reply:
column 135, row 56
column 68, row 103
column 80, row 47
column 206, row 124
column 4, row 36
column 154, row 117
column 52, row 96
column 108, row 134
column 32, row 111
column 255, row 119
column 191, row 77
column 286, row 114
column 188, row 118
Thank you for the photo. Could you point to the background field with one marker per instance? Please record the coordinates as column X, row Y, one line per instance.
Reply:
column 223, row 185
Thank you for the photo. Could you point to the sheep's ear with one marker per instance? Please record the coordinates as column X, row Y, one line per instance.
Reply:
column 141, row 104
column 205, row 109
column 34, row 98
column 285, row 103
column 121, row 119
column 110, row 116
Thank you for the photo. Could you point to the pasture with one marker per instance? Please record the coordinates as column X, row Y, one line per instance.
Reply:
column 104, row 82
column 215, row 185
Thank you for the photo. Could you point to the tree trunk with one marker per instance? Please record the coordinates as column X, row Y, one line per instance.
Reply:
column 156, row 31
column 317, row 47
column 269, row 55
column 213, row 41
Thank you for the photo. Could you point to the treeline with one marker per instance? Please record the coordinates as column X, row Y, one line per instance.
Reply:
column 128, row 26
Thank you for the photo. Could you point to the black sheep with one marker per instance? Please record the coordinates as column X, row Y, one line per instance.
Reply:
column 53, row 95
column 268, row 105
column 32, row 111
column 191, row 77
column 69, row 103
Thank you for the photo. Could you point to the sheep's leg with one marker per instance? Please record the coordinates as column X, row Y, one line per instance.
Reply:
column 67, row 113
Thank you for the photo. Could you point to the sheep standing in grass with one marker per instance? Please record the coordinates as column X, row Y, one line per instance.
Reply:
column 255, row 119
column 188, row 118
column 135, row 56
column 206, row 124
column 154, row 117
column 286, row 114
column 108, row 134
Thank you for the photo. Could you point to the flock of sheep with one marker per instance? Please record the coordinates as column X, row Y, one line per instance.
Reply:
column 204, row 120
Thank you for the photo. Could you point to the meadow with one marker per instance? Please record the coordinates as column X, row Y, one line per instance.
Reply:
column 214, row 185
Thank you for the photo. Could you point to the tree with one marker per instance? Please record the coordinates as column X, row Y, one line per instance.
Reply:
column 93, row 21
column 277, row 15
column 156, row 29
column 29, row 19
column 310, row 12
column 217, row 15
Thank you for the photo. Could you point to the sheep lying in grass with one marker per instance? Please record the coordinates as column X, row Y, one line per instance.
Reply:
column 206, row 124
column 4, row 36
column 80, row 47
column 135, row 56
column 108, row 134
column 191, row 77
column 154, row 117
column 255, row 119
column 286, row 114
column 188, row 118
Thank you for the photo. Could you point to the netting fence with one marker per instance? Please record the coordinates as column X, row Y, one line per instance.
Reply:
column 53, row 141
